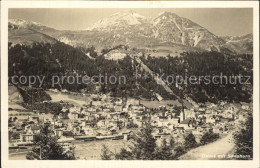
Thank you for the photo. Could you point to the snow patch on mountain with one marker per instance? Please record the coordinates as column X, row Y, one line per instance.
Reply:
column 120, row 19
column 23, row 23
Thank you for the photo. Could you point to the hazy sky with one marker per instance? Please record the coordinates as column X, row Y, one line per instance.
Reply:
column 220, row 21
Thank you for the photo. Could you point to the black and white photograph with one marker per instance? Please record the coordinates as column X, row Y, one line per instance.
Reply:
column 126, row 83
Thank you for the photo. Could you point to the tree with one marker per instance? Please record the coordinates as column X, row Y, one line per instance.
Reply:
column 190, row 141
column 163, row 152
column 143, row 145
column 47, row 147
column 106, row 153
column 179, row 150
column 172, row 142
column 15, row 135
column 208, row 137
column 132, row 125
column 124, row 155
column 244, row 139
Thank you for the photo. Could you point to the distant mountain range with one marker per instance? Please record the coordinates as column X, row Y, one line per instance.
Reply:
column 165, row 34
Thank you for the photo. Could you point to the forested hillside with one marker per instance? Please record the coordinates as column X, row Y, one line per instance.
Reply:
column 207, row 64
column 60, row 59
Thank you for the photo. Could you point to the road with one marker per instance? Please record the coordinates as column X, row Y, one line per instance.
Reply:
column 217, row 150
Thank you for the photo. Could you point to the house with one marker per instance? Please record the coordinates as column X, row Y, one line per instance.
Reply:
column 113, row 124
column 63, row 115
column 139, row 122
column 64, row 109
column 92, row 110
column 84, row 123
column 76, row 130
column 163, row 122
column 187, row 124
column 27, row 137
column 97, row 115
column 102, row 123
column 127, row 135
column 201, row 128
column 106, row 110
column 188, row 113
column 59, row 132
column 73, row 116
column 216, row 130
column 35, row 129
column 244, row 106
column 35, row 119
column 118, row 108
column 74, row 109
column 229, row 108
column 84, row 112
column 196, row 132
column 131, row 101
column 119, row 102
column 97, row 103
column 137, row 109
column 113, row 131
column 228, row 115
column 202, row 110
column 175, row 121
column 58, row 123
column 210, row 120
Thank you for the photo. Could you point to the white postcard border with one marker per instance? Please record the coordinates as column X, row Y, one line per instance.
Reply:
column 124, row 4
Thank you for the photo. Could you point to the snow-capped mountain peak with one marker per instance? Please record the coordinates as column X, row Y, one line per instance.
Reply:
column 23, row 23
column 120, row 19
column 20, row 23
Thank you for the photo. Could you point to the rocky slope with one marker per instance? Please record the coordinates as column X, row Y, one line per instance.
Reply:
column 245, row 43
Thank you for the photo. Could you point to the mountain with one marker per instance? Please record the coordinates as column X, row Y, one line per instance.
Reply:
column 244, row 42
column 120, row 20
column 20, row 23
column 166, row 27
column 28, row 37
column 166, row 33
column 173, row 28
column 162, row 35
column 105, row 38
column 25, row 32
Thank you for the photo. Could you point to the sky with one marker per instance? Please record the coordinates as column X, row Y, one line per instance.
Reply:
column 220, row 21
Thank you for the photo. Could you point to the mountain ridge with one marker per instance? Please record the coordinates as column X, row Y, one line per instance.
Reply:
column 137, row 31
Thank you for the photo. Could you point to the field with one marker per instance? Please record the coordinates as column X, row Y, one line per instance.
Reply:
column 77, row 100
column 92, row 150
column 83, row 150
column 156, row 104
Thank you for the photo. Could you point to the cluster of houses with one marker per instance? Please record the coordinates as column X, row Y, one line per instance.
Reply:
column 118, row 117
